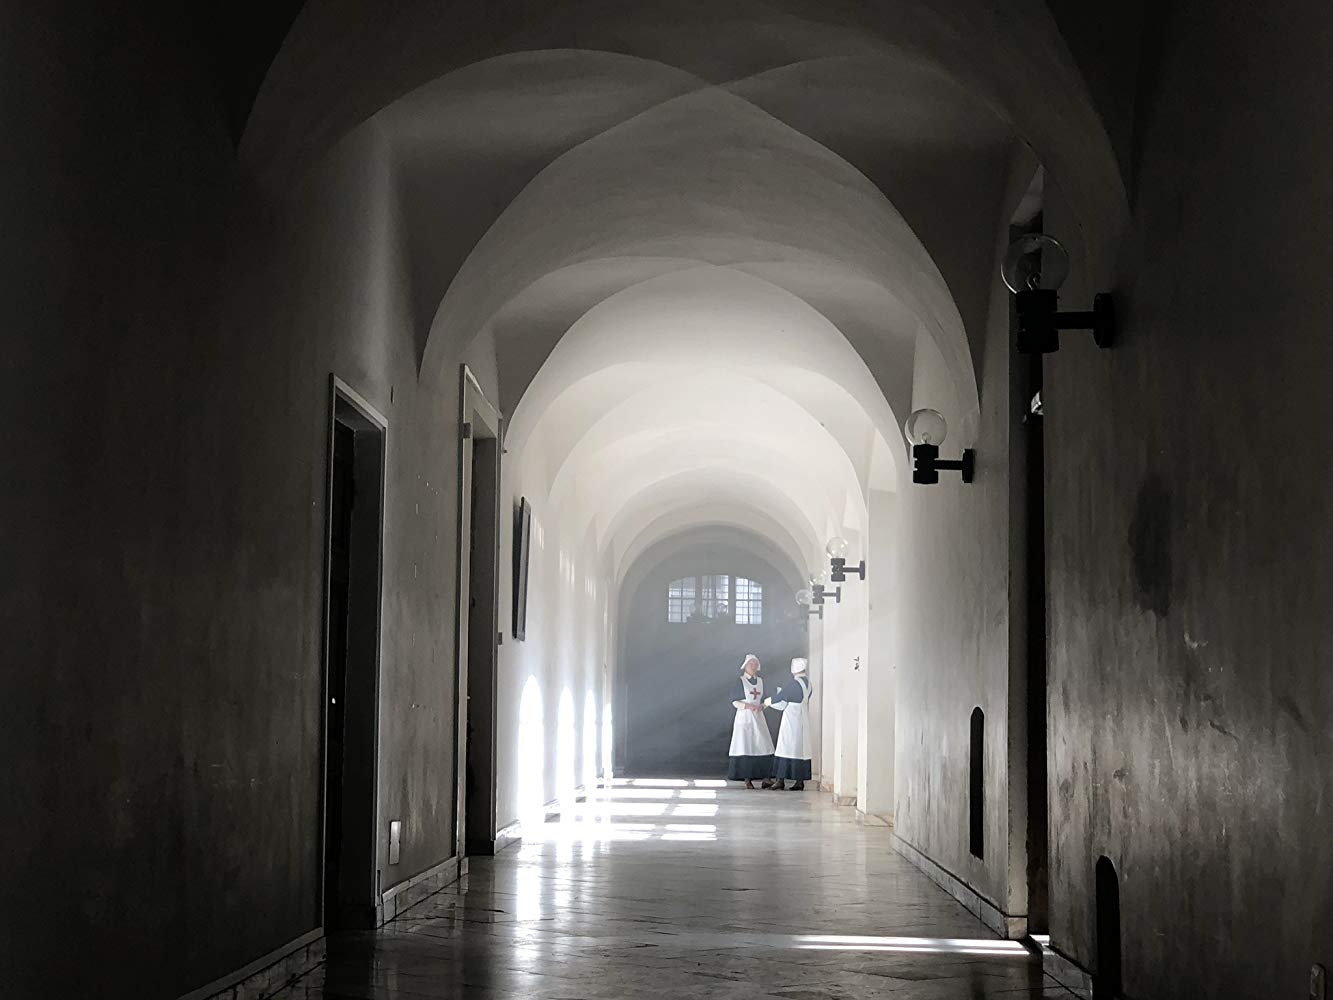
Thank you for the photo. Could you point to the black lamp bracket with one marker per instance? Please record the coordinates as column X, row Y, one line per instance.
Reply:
column 822, row 592
column 926, row 463
column 839, row 571
column 1040, row 321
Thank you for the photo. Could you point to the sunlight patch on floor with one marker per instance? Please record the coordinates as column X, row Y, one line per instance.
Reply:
column 952, row 946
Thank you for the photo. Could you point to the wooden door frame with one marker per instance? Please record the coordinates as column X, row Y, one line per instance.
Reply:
column 340, row 390
column 478, row 419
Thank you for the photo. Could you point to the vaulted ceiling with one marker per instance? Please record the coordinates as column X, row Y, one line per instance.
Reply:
column 706, row 240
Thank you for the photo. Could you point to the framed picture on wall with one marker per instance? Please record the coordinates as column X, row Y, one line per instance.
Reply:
column 522, row 549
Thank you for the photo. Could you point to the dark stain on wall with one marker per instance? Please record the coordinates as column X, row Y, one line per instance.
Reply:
column 1150, row 545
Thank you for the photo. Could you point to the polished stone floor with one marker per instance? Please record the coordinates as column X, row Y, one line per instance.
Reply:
column 687, row 890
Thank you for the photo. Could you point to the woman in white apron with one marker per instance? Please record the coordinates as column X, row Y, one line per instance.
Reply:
column 751, row 743
column 793, row 756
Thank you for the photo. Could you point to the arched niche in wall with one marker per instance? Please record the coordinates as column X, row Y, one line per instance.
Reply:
column 1107, row 976
column 976, row 784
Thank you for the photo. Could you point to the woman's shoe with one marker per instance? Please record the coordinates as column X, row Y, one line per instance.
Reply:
column 797, row 786
column 766, row 783
column 777, row 783
column 749, row 783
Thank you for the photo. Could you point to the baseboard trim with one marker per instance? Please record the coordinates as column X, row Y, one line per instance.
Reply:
column 554, row 809
column 399, row 898
column 1007, row 925
column 269, row 974
column 838, row 800
column 280, row 968
column 874, row 819
column 1065, row 971
column 504, row 840
column 508, row 837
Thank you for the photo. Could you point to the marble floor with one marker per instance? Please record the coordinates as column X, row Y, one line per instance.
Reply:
column 687, row 889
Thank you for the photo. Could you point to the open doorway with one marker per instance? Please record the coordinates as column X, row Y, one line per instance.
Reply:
column 1028, row 437
column 1038, row 781
column 353, row 556
column 478, row 619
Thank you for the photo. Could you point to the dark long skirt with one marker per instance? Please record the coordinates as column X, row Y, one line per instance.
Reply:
column 749, row 768
column 792, row 768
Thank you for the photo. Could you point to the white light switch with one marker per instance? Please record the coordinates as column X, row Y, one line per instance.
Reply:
column 395, row 841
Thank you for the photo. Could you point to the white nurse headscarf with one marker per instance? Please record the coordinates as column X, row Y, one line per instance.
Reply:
column 798, row 665
column 746, row 662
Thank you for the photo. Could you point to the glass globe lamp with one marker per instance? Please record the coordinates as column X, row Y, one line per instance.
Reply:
column 926, row 427
column 1035, row 262
column 805, row 598
column 837, row 547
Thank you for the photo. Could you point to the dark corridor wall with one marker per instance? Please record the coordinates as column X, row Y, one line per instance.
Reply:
column 678, row 678
column 169, row 336
column 1189, row 533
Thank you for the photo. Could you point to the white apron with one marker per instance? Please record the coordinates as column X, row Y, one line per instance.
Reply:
column 794, row 736
column 749, row 732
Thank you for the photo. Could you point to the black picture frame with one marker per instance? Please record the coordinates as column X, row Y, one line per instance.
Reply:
column 522, row 551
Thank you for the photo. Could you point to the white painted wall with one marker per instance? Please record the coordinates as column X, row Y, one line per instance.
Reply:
column 552, row 686
column 844, row 658
column 879, row 678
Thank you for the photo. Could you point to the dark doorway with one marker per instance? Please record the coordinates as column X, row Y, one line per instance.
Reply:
column 352, row 642
column 1029, row 664
column 1106, row 984
column 478, row 621
column 976, row 804
column 1028, row 377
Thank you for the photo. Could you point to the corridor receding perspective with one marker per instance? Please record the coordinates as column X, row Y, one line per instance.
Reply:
column 748, row 498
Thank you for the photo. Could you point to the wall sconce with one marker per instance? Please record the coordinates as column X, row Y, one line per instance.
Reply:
column 926, row 430
column 1034, row 268
column 813, row 604
column 837, row 554
column 819, row 587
